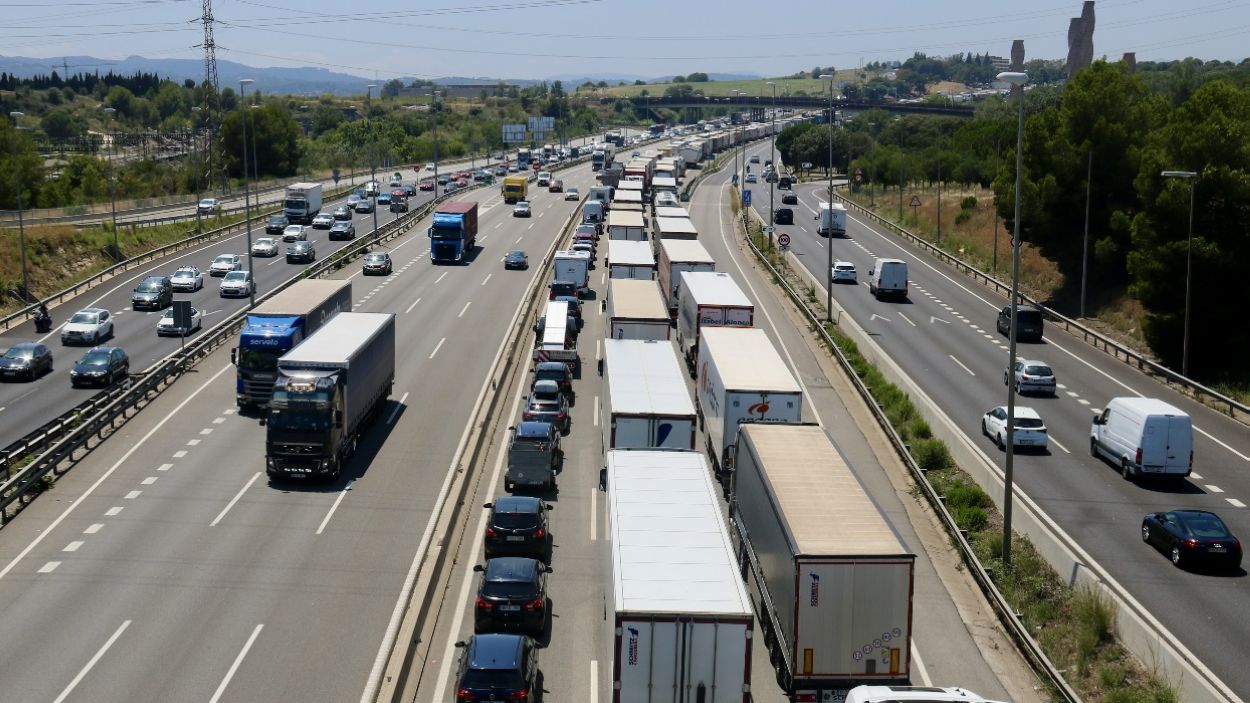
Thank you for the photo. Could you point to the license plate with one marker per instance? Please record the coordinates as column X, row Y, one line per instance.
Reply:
column 510, row 608
column 296, row 475
column 1217, row 550
column 515, row 538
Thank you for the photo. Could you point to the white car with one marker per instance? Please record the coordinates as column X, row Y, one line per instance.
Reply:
column 323, row 220
column 87, row 326
column 187, row 278
column 295, row 233
column 843, row 271
column 236, row 284
column 166, row 326
column 209, row 206
column 1030, row 430
column 544, row 179
column 572, row 194
column 224, row 264
column 522, row 209
column 265, row 246
column 1031, row 376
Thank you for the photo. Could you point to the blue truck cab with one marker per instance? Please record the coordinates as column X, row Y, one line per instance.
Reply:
column 453, row 231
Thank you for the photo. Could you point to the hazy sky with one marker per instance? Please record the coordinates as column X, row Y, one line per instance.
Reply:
column 538, row 38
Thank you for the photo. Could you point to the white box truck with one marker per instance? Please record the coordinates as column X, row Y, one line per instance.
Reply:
column 627, row 258
column 1144, row 437
column 740, row 379
column 646, row 405
column 830, row 579
column 636, row 310
column 626, row 224
column 831, row 220
column 708, row 299
column 302, row 202
column 682, row 622
column 572, row 266
column 674, row 228
column 675, row 256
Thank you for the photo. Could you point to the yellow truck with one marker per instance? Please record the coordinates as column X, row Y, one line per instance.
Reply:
column 515, row 188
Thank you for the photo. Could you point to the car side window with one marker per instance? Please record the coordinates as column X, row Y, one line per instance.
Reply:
column 1169, row 518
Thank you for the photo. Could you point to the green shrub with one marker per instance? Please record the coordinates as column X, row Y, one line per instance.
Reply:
column 970, row 517
column 963, row 216
column 931, row 454
column 969, row 202
column 968, row 495
column 916, row 428
column 1096, row 614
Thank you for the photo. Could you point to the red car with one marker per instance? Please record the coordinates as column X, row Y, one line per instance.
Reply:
column 537, row 167
column 462, row 182
column 427, row 184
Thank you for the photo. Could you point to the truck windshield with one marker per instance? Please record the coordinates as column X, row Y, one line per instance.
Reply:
column 308, row 420
column 445, row 231
column 292, row 204
column 260, row 359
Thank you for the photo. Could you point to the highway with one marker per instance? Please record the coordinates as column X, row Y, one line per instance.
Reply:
column 165, row 567
column 944, row 338
column 957, row 640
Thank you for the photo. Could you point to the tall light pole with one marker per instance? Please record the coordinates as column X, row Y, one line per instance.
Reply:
column 1190, row 176
column 21, row 227
column 829, row 170
column 1017, row 80
column 247, row 204
column 112, row 113
column 373, row 159
column 772, row 184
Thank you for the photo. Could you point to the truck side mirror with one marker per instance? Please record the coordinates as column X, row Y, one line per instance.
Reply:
column 549, row 506
column 547, row 569
column 488, row 505
column 234, row 356
column 262, row 421
column 478, row 568
column 338, row 418
column 603, row 480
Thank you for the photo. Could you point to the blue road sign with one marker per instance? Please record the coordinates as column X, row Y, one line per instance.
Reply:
column 746, row 198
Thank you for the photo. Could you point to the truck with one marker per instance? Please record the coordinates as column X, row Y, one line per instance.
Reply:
column 636, row 310
column 601, row 157
column 614, row 138
column 630, row 259
column 572, row 266
column 612, row 174
column 623, row 224
column 741, row 379
column 275, row 327
column 674, row 257
column 453, row 231
column 681, row 617
column 830, row 579
column 302, row 202
column 674, row 228
column 692, row 152
column 557, row 342
column 601, row 194
column 831, row 221
column 642, row 170
column 329, row 388
column 646, row 405
column 708, row 299
column 515, row 188
column 523, row 157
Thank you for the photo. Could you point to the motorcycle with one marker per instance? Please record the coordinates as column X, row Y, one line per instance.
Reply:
column 43, row 322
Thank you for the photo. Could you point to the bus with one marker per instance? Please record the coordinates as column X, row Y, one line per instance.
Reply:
column 523, row 159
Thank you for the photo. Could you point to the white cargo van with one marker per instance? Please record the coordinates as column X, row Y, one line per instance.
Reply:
column 1143, row 437
column 888, row 277
column 919, row 694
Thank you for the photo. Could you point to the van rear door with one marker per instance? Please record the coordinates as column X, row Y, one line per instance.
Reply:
column 1180, row 443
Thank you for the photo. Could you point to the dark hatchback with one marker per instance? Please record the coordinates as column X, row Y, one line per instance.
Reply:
column 276, row 224
column 1028, row 323
column 547, row 403
column 516, row 259
column 517, row 527
column 153, row 293
column 102, row 366
column 1192, row 538
column 783, row 216
column 512, row 595
column 498, row 667
column 342, row 229
column 27, row 360
column 556, row 371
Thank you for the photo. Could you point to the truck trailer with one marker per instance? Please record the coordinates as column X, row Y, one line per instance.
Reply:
column 275, row 327
column 515, row 188
column 831, row 222
column 829, row 577
column 625, row 224
column 329, row 387
column 302, row 202
column 453, row 231
column 646, row 405
column 630, row 259
column 708, row 299
column 636, row 310
column 682, row 622
column 675, row 256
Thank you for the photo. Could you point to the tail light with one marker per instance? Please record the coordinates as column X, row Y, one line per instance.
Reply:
column 540, row 533
column 484, row 604
column 536, row 604
column 518, row 695
column 465, row 694
column 805, row 697
column 561, row 416
column 490, row 532
column 1137, row 457
column 1191, row 543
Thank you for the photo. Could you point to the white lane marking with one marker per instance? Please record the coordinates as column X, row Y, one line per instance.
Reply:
column 91, row 663
column 180, row 453
column 207, row 430
column 437, row 347
column 1195, row 474
column 235, row 499
column 133, row 494
column 518, row 239
column 148, row 481
column 218, row 420
column 594, row 515
column 164, row 467
column 93, row 528
column 410, row 307
column 544, row 212
column 596, row 417
column 398, row 406
column 1214, row 489
column 1072, row 394
column 594, row 679
column 499, row 225
column 961, row 364
column 531, row 226
column 484, row 280
column 1082, row 401
column 924, row 673
column 442, row 276
column 48, row 568
column 1235, row 503
column 603, row 278
column 221, row 688
column 464, row 309
column 1057, row 444
column 73, row 546
column 598, row 349
column 906, row 320
column 335, row 506
column 229, row 411
column 113, row 511
column 193, row 442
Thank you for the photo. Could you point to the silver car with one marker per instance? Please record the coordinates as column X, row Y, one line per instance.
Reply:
column 1031, row 376
column 187, row 278
column 265, row 246
column 323, row 220
column 225, row 263
column 236, row 284
column 294, row 233
column 87, row 326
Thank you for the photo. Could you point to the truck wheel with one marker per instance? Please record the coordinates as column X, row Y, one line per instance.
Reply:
column 1126, row 470
column 1093, row 447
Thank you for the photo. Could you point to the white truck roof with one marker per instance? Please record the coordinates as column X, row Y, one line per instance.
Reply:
column 663, row 182
column 624, row 218
column 686, row 251
column 671, row 211
column 747, row 360
column 303, row 186
column 629, row 253
column 300, row 296
column 627, row 196
column 644, row 377
column 670, row 549
column 713, row 288
column 629, row 185
column 675, row 227
column 336, row 341
column 633, row 299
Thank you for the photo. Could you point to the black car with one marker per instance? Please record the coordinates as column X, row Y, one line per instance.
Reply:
column 399, row 204
column 512, row 595
column 1028, row 323
column 557, row 371
column 517, row 527
column 276, row 224
column 102, row 366
column 301, row 251
column 790, row 198
column 28, row 360
column 497, row 667
column 378, row 262
column 534, row 457
column 783, row 216
column 558, row 288
column 784, row 183
column 547, row 403
column 342, row 230
column 1192, row 537
column 153, row 293
column 342, row 213
column 516, row 259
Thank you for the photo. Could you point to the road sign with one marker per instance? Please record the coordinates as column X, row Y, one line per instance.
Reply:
column 746, row 198
column 807, row 165
column 769, row 229
column 915, row 201
column 513, row 133
column 783, row 240
column 182, row 314
column 335, row 175
column 542, row 124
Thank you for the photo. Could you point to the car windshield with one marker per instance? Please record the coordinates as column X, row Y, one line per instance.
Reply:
column 508, row 589
column 236, row 276
column 264, row 242
column 376, row 258
column 516, row 521
column 84, row 318
column 516, row 254
column 1029, row 423
column 150, row 286
column 183, row 273
column 20, row 353
column 224, row 259
column 1038, row 370
column 277, row 220
column 492, row 678
column 95, row 358
column 1206, row 526
column 208, row 201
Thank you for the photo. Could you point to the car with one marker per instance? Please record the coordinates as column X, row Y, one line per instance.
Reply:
column 100, row 366
column 276, row 224
column 522, row 209
column 323, row 220
column 342, row 213
column 514, row 168
column 265, row 246
column 372, row 188
column 153, row 293
column 479, row 175
column 396, row 182
column 553, row 160
column 843, row 271
column 384, row 199
column 771, row 177
column 187, row 278
column 572, row 193
column 544, row 179
column 225, row 263
column 790, row 198
column 1030, row 375
column 342, row 230
column 755, row 158
column 586, row 247
column 399, row 204
column 517, row 526
column 295, row 233
column 443, row 179
column 783, row 216
column 557, row 372
column 236, row 284
column 304, row 251
column 1028, row 323
column 208, row 206
column 784, row 183
column 462, row 182
column 557, row 186
column 167, row 327
column 497, row 667
column 1030, row 430
column 751, row 178
column 557, row 289
column 429, row 167
column 501, row 170
column 364, row 206
column 410, row 189
column 512, row 594
column 587, row 228
column 87, row 326
column 378, row 262
column 547, row 404
column 354, row 200
column 426, row 184
column 1192, row 537
column 516, row 259
column 27, row 360
column 536, row 166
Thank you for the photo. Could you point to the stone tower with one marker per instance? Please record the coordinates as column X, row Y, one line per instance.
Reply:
column 1081, row 39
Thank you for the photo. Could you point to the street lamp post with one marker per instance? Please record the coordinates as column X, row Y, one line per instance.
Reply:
column 1190, row 176
column 112, row 113
column 829, row 170
column 1017, row 80
column 373, row 160
column 247, row 204
column 21, row 227
column 772, row 149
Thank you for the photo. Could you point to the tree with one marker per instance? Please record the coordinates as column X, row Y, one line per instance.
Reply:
column 170, row 100
column 392, row 88
column 697, row 78
column 60, row 124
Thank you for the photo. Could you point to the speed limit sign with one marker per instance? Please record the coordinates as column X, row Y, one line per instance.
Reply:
column 783, row 240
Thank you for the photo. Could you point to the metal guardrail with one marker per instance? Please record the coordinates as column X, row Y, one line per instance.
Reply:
column 1098, row 341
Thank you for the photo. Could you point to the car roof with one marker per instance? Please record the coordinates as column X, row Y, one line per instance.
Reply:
column 92, row 310
column 106, row 350
column 517, row 504
column 551, row 365
column 1188, row 512
column 844, row 263
column 188, row 269
column 1024, row 411
column 515, row 252
column 533, row 429
column 546, row 386
column 496, row 651
column 25, row 345
column 517, row 569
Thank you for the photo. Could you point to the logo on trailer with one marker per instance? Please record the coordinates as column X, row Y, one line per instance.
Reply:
column 814, row 591
column 632, row 656
column 662, row 433
column 761, row 409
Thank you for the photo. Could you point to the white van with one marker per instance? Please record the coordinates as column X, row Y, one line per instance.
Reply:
column 888, row 277
column 1143, row 436
column 920, row 694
